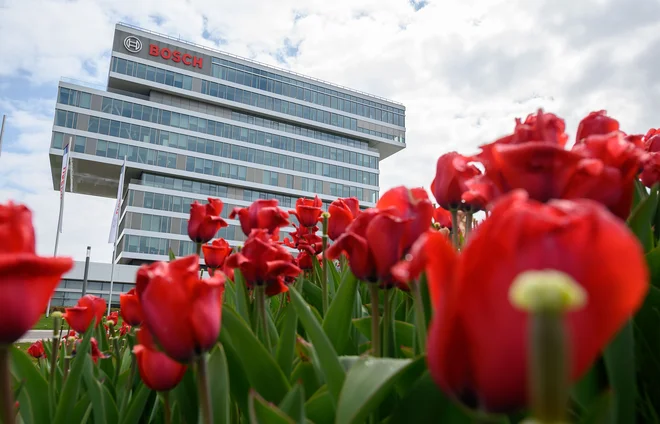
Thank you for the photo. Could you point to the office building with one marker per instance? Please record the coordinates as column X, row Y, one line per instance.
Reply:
column 196, row 123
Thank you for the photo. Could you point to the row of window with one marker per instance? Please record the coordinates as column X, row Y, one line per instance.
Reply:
column 222, row 91
column 226, row 150
column 95, row 286
column 253, row 77
column 221, row 129
column 66, row 119
column 76, row 98
column 208, row 189
column 151, row 73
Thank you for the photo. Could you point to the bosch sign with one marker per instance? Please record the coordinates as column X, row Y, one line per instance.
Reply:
column 176, row 56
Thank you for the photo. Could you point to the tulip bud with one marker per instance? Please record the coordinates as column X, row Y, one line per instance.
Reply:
column 57, row 322
column 547, row 295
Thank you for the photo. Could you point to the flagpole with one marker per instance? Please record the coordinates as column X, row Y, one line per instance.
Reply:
column 115, row 230
column 62, row 192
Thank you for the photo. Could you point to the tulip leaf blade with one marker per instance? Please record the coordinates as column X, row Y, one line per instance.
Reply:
column 242, row 304
column 642, row 217
column 260, row 367
column 600, row 410
column 95, row 393
column 260, row 412
column 337, row 320
column 171, row 255
column 293, row 404
column 137, row 405
column 219, row 380
column 313, row 294
column 424, row 402
column 34, row 394
column 305, row 373
column 368, row 383
column 185, row 396
column 320, row 407
column 69, row 394
column 620, row 364
column 329, row 361
column 287, row 343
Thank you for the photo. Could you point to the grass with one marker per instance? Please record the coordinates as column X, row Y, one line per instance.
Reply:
column 44, row 323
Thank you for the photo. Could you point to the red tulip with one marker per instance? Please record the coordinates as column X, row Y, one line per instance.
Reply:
column 125, row 328
column 88, row 308
column 342, row 213
column 651, row 169
column 538, row 127
column 373, row 244
column 448, row 186
column 443, row 217
column 596, row 123
column 412, row 206
column 129, row 306
column 94, row 349
column 182, row 311
column 263, row 214
column 205, row 220
column 157, row 370
column 113, row 317
column 36, row 350
column 607, row 173
column 474, row 315
column 27, row 281
column 635, row 139
column 216, row 253
column 264, row 262
column 652, row 140
column 308, row 211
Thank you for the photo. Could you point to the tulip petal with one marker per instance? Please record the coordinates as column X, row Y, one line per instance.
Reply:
column 206, row 311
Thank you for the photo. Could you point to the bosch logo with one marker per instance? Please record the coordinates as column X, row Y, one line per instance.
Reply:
column 132, row 44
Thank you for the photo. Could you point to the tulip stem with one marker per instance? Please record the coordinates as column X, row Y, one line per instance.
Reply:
column 420, row 319
column 387, row 318
column 6, row 395
column 204, row 392
column 166, row 407
column 324, row 268
column 468, row 225
column 375, row 317
column 454, row 228
column 260, row 298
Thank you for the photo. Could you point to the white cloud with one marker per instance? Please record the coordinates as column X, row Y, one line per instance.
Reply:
column 464, row 69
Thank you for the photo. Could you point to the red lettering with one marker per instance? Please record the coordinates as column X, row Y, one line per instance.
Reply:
column 176, row 56
column 165, row 53
column 197, row 61
column 186, row 59
column 153, row 50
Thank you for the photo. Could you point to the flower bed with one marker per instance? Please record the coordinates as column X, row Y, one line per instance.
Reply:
column 406, row 312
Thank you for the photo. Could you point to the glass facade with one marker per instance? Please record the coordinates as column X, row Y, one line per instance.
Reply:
column 69, row 291
column 214, row 89
column 308, row 92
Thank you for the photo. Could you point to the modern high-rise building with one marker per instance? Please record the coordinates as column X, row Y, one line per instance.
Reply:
column 195, row 123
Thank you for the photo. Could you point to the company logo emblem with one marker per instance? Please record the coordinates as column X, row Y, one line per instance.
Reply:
column 132, row 44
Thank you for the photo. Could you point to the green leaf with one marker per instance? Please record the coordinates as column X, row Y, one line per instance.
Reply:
column 641, row 219
column 219, row 380
column 69, row 394
column 137, row 405
column 95, row 393
column 337, row 321
column 305, row 372
column 112, row 414
column 320, row 407
column 589, row 387
column 184, row 395
column 261, row 412
column 242, row 298
column 34, row 396
column 259, row 365
column 287, row 343
column 313, row 294
column 293, row 404
column 172, row 255
column 334, row 373
column 425, row 403
column 367, row 384
column 647, row 346
column 600, row 410
column 620, row 363
column 82, row 410
column 653, row 261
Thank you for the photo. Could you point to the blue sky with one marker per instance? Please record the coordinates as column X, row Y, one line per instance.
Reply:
column 463, row 68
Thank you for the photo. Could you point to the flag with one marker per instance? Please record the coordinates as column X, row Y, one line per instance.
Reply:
column 115, row 216
column 63, row 175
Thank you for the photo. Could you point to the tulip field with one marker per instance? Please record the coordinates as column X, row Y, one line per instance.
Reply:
column 525, row 289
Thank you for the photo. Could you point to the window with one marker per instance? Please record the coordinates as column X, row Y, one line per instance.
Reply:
column 85, row 100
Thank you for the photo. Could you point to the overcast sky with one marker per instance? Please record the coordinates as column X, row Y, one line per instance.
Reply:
column 463, row 68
